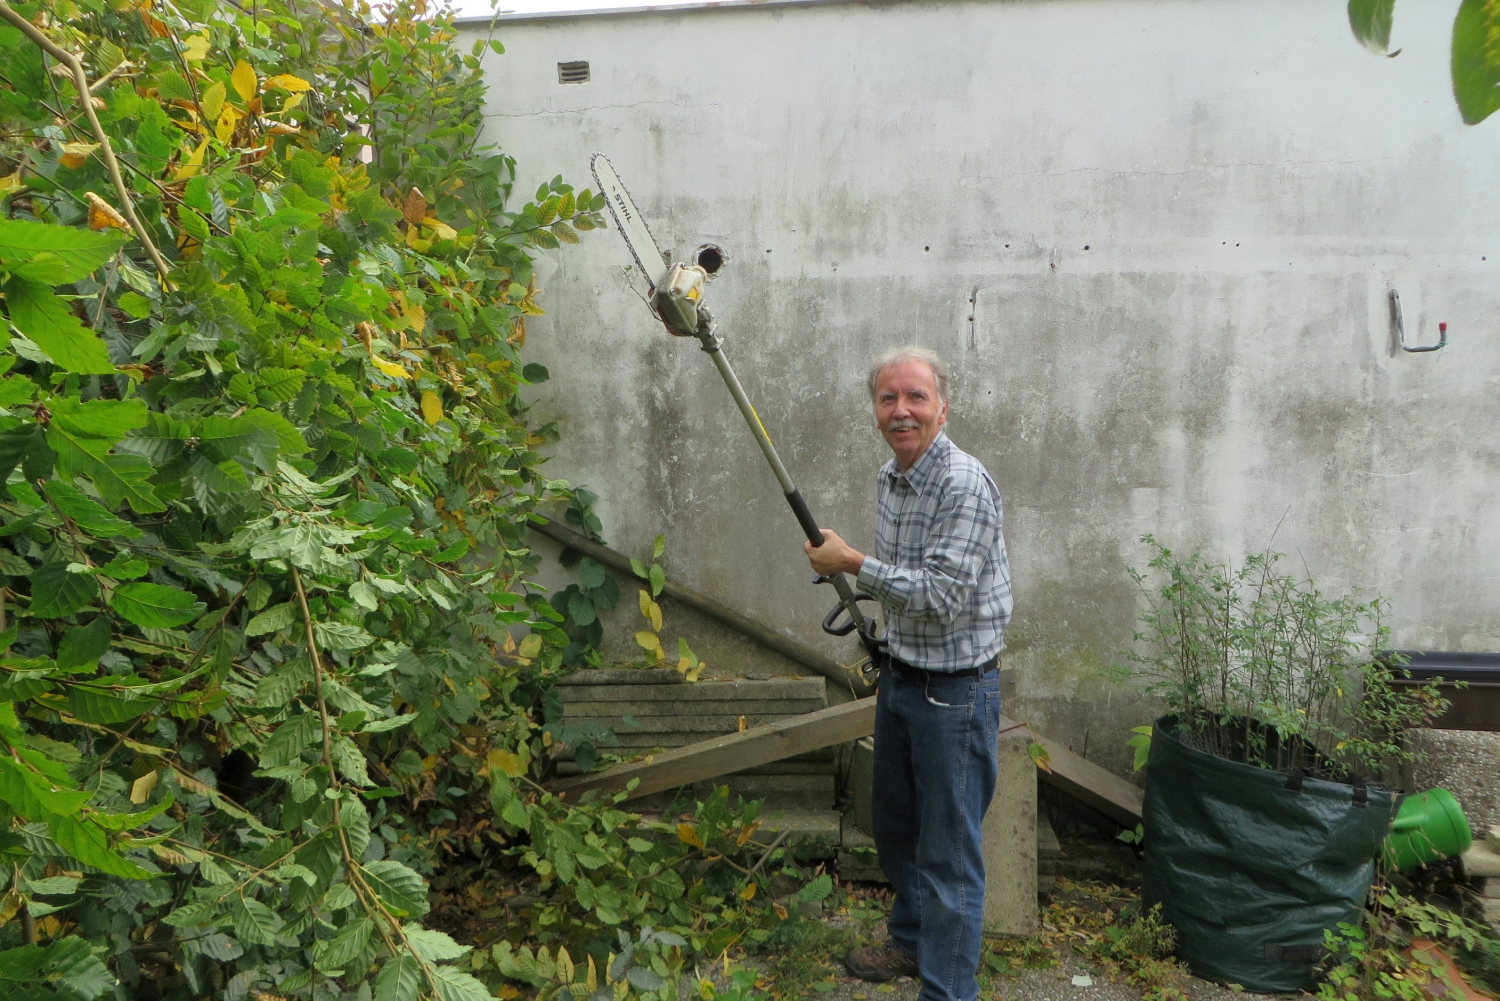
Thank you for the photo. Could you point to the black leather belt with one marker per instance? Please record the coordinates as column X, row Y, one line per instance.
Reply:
column 919, row 674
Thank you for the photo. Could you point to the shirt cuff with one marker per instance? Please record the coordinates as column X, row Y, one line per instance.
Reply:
column 871, row 574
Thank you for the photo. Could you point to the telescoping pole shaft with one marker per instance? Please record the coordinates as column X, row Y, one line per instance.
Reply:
column 793, row 495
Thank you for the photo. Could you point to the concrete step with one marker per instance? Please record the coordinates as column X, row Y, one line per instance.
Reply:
column 778, row 792
column 857, row 858
column 736, row 691
column 811, row 834
column 696, row 724
column 650, row 676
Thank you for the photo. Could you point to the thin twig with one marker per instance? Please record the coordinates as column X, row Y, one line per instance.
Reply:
column 81, row 83
column 779, row 839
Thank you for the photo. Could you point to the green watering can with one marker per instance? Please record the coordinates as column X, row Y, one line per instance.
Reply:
column 1429, row 826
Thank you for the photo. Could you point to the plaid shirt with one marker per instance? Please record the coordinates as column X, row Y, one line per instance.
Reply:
column 939, row 568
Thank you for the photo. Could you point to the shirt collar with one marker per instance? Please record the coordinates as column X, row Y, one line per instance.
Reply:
column 921, row 472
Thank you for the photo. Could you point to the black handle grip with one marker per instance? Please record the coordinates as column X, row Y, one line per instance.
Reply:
column 805, row 518
column 849, row 626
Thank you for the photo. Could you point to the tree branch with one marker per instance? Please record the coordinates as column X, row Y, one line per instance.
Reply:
column 81, row 83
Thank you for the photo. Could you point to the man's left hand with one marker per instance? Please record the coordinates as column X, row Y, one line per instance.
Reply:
column 834, row 555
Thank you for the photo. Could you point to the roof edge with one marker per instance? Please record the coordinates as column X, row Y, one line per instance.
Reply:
column 478, row 20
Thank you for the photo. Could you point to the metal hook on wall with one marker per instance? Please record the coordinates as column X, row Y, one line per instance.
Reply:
column 1401, row 329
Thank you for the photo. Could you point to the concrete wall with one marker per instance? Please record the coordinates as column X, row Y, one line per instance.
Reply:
column 1154, row 240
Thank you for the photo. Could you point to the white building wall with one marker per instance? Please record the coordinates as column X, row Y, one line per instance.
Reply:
column 1154, row 238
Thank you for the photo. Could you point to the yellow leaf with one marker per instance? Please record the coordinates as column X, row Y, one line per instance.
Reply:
column 246, row 83
column 688, row 834
column 565, row 968
column 505, row 762
column 228, row 119
column 211, row 101
column 287, row 82
column 195, row 48
column 390, row 368
column 651, row 643
column 531, row 645
column 75, row 155
column 1040, row 757
column 746, row 832
column 646, row 602
column 103, row 215
column 743, row 725
column 432, row 412
column 140, row 789
column 9, row 905
column 748, row 893
column 509, row 993
column 780, row 911
column 440, row 230
column 656, row 616
column 593, row 978
column 10, row 182
column 414, row 315
column 193, row 164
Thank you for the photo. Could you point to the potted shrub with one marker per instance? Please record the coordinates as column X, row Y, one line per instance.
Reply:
column 1265, row 808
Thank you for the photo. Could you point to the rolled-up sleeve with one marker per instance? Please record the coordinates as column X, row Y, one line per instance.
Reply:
column 964, row 529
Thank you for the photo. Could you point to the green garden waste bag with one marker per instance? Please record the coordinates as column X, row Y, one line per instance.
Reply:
column 1252, row 865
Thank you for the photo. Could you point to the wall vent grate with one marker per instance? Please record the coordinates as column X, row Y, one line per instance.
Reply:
column 574, row 72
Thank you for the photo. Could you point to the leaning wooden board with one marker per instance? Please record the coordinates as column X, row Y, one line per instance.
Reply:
column 1099, row 788
column 733, row 752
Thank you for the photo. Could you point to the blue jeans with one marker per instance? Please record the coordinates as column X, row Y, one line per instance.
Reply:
column 936, row 745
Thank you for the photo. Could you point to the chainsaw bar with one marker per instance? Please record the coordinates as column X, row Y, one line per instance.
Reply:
column 628, row 219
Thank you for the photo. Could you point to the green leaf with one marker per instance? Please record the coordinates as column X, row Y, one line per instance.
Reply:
column 658, row 546
column 54, row 254
column 350, row 761
column 254, row 922
column 433, row 946
column 590, row 574
column 818, row 889
column 1371, row 21
column 401, row 889
column 282, row 384
column 39, row 314
column 332, row 955
column 400, row 979
column 154, row 606
column 658, row 579
column 135, row 305
column 274, row 618
column 67, row 964
column 454, row 985
column 535, row 373
column 639, row 569
column 86, row 514
column 16, row 389
column 341, row 636
column 125, row 567
column 56, row 593
column 89, row 845
column 1476, row 59
column 190, row 915
column 82, row 434
column 95, row 706
column 286, row 744
column 84, row 646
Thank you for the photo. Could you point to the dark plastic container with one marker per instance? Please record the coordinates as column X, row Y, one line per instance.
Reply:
column 1476, row 706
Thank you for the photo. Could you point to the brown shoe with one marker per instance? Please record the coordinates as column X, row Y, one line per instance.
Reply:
column 880, row 963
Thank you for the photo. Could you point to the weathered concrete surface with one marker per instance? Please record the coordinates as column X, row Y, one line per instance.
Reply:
column 1174, row 225
column 1467, row 764
column 1010, row 842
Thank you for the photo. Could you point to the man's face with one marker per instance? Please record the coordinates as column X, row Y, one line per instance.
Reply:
column 908, row 409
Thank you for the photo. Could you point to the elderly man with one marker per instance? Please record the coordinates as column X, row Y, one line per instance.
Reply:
column 940, row 573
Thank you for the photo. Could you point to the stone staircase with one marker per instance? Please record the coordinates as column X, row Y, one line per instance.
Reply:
column 654, row 709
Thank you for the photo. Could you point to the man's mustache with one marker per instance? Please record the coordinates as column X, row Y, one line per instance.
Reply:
column 903, row 425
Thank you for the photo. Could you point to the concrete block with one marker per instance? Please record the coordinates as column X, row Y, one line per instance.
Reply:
column 1480, row 862
column 857, row 857
column 701, row 707
column 811, row 834
column 737, row 691
column 1493, row 838
column 1467, row 764
column 1489, row 886
column 610, row 676
column 1010, row 841
column 861, row 786
column 1048, row 848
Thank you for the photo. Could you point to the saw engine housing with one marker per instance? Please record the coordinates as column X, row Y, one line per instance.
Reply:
column 677, row 298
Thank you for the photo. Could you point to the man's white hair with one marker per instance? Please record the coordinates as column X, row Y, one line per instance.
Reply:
column 911, row 352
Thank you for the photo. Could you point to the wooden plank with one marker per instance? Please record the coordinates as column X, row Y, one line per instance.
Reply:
column 1087, row 782
column 784, row 645
column 733, row 752
column 707, row 707
column 780, row 688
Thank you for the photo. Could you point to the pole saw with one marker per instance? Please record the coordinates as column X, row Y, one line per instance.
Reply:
column 676, row 297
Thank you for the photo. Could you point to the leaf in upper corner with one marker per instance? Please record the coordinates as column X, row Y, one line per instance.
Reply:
column 56, row 593
column 1476, row 59
column 1371, row 21
column 39, row 314
column 1040, row 757
column 53, row 254
column 88, row 515
column 155, row 606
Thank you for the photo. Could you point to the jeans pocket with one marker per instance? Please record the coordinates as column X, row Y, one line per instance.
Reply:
column 948, row 692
